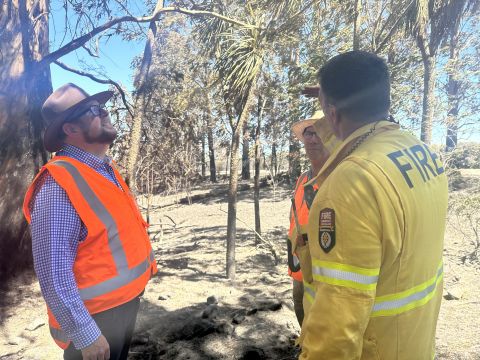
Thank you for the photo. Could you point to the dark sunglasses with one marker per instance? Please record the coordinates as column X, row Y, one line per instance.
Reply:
column 96, row 110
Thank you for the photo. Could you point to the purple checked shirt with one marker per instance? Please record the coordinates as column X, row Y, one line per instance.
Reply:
column 57, row 231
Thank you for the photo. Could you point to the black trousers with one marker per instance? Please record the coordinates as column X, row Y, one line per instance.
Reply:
column 117, row 326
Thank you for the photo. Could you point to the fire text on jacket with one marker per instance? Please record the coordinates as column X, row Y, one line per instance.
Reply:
column 417, row 157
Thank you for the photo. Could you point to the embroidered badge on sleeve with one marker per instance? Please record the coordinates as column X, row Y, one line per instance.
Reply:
column 326, row 228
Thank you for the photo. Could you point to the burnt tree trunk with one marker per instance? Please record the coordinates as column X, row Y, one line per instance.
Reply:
column 211, row 155
column 294, row 165
column 211, row 147
column 453, row 88
column 294, row 114
column 204, row 163
column 356, row 24
column 246, row 153
column 429, row 76
column 233, row 183
column 141, row 84
column 24, row 86
column 274, row 160
column 256, row 192
column 428, row 99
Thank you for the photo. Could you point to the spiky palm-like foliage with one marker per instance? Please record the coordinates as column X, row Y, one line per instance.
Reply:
column 238, row 53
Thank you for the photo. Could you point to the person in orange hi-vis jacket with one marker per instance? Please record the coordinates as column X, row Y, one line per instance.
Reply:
column 91, row 250
column 317, row 152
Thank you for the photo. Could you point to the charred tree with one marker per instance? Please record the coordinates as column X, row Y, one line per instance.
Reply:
column 24, row 86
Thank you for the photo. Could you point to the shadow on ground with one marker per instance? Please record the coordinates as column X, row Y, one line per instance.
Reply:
column 266, row 194
column 205, row 260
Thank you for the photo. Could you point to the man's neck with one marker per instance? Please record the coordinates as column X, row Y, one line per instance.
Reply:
column 317, row 164
column 348, row 127
column 99, row 150
column 315, row 170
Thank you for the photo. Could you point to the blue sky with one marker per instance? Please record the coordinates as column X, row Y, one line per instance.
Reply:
column 115, row 57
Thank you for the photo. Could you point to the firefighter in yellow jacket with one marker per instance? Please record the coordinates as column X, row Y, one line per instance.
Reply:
column 375, row 228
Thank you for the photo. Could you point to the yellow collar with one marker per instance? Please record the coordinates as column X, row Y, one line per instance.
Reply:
column 342, row 150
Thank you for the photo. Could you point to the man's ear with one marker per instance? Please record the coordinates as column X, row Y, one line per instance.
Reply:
column 335, row 118
column 70, row 129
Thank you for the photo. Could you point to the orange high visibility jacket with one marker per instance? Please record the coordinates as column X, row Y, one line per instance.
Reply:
column 115, row 261
column 302, row 212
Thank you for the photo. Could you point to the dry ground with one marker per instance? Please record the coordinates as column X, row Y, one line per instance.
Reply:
column 250, row 318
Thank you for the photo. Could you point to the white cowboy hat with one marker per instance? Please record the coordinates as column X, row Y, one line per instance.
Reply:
column 299, row 127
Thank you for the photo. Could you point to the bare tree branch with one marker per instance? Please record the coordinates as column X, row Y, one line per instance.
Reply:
column 129, row 13
column 101, row 81
column 76, row 43
column 90, row 52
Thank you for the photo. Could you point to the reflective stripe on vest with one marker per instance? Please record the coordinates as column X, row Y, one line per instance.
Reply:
column 345, row 275
column 125, row 275
column 296, row 262
column 398, row 303
column 309, row 292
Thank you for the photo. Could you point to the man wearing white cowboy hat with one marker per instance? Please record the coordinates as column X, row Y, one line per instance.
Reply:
column 317, row 149
column 91, row 251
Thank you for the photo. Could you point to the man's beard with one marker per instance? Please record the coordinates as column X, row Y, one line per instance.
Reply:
column 107, row 136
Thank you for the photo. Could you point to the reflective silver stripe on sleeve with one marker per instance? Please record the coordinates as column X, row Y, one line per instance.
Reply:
column 310, row 291
column 345, row 275
column 125, row 275
column 401, row 302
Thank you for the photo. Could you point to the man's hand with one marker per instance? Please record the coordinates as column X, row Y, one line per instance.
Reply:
column 300, row 240
column 99, row 350
column 311, row 91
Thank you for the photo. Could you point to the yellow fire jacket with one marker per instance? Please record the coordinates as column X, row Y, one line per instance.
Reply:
column 375, row 230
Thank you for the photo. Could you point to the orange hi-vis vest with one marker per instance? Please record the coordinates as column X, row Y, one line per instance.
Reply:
column 302, row 212
column 115, row 261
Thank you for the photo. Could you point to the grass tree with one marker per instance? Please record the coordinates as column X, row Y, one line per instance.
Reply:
column 239, row 53
column 241, row 77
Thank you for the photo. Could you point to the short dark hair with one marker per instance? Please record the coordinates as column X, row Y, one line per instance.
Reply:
column 358, row 84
